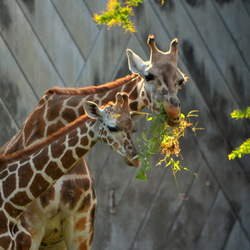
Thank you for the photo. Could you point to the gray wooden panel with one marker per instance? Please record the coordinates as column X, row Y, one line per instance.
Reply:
column 96, row 6
column 232, row 22
column 15, row 91
column 105, row 56
column 28, row 51
column 237, row 240
column 223, row 42
column 80, row 24
column 8, row 127
column 55, row 39
column 220, row 224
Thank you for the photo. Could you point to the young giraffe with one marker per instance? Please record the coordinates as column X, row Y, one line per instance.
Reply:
column 26, row 174
column 154, row 81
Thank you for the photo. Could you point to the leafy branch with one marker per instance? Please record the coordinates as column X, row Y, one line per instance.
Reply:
column 163, row 139
column 118, row 14
column 240, row 114
column 244, row 148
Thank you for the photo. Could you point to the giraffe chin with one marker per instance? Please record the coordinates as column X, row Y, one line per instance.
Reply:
column 173, row 114
column 132, row 162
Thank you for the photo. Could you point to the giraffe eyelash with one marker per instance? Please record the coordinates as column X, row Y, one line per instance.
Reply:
column 113, row 129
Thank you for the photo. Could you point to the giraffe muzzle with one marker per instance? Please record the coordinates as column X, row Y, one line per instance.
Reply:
column 132, row 162
column 173, row 112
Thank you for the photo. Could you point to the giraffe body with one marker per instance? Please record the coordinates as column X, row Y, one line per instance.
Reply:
column 154, row 81
column 27, row 174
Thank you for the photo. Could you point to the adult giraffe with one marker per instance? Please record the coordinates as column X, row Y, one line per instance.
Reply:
column 154, row 81
column 26, row 174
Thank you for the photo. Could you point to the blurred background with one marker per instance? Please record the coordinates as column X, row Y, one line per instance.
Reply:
column 56, row 43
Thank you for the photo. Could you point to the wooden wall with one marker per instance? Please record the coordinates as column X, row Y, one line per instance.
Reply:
column 56, row 43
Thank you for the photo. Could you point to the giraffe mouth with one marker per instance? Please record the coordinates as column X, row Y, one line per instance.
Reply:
column 173, row 114
column 132, row 162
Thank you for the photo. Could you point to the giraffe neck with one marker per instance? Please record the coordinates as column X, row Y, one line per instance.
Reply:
column 30, row 177
column 60, row 106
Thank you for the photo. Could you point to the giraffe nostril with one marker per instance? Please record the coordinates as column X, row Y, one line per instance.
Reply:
column 175, row 102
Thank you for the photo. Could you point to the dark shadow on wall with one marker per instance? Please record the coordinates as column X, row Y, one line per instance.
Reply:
column 30, row 5
column 5, row 18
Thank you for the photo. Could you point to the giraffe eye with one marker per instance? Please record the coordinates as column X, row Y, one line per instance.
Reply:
column 180, row 82
column 113, row 129
column 149, row 77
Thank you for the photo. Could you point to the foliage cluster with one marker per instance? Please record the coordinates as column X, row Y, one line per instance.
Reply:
column 163, row 139
column 244, row 148
column 118, row 13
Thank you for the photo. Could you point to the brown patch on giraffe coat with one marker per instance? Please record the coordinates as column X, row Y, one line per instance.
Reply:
column 5, row 242
column 39, row 161
column 57, row 152
column 36, row 122
column 79, row 169
column 54, row 127
column 9, row 185
column 53, row 171
column 24, row 175
column 84, row 141
column 84, row 245
column 3, row 223
column 81, row 224
column 3, row 174
column 54, row 108
column 115, row 145
column 72, row 191
column 47, row 197
column 85, row 203
column 39, row 185
column 13, row 167
column 69, row 115
column 68, row 160
column 80, row 151
column 133, row 105
column 74, row 100
column 91, row 134
column 134, row 96
column 73, row 141
column 23, row 240
column 11, row 210
column 81, row 110
column 21, row 199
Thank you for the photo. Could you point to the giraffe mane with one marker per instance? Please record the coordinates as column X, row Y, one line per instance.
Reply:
column 10, row 158
column 91, row 89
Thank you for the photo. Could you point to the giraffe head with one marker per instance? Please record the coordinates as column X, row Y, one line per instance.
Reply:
column 162, row 78
column 116, row 125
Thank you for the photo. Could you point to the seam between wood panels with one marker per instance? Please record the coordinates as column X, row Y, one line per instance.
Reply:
column 131, row 247
column 228, row 235
column 19, row 66
column 230, row 34
column 10, row 113
column 224, row 193
column 73, row 40
column 246, row 8
column 120, row 59
column 85, row 65
column 41, row 44
column 209, row 52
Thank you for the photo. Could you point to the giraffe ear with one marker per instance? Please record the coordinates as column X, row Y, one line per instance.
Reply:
column 92, row 110
column 135, row 63
column 136, row 116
